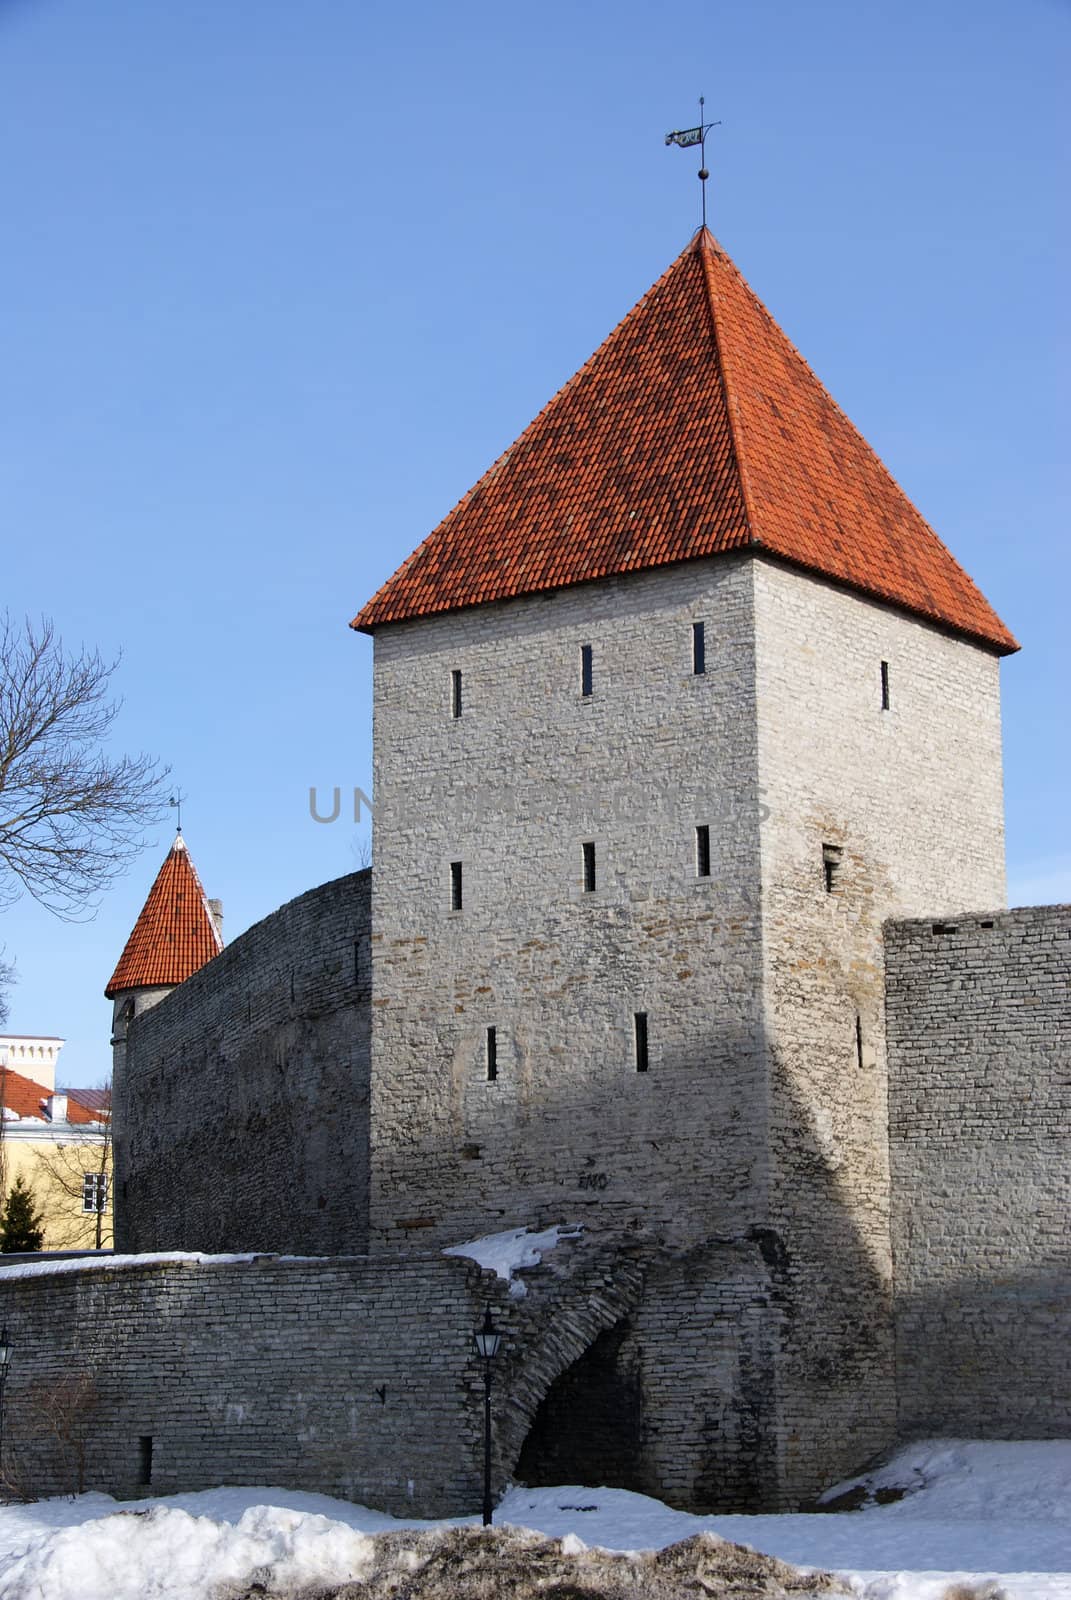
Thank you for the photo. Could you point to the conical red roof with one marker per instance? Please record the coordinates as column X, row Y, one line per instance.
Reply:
column 174, row 935
column 696, row 427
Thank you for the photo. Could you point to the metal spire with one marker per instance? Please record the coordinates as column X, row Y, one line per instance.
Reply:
column 684, row 137
column 176, row 800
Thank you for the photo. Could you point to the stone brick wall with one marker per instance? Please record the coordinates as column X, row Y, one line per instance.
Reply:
column 355, row 1376
column 979, row 1038
column 241, row 1098
column 911, row 798
column 739, row 1290
column 512, row 789
column 763, row 1114
column 337, row 1376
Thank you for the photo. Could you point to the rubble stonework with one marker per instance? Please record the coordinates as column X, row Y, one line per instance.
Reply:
column 241, row 1100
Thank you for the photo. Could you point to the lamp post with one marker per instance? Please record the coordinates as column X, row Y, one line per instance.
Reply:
column 487, row 1340
column 5, row 1358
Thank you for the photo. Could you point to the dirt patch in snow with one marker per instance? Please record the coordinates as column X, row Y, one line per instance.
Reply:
column 514, row 1564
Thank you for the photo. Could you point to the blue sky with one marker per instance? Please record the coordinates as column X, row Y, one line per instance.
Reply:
column 278, row 282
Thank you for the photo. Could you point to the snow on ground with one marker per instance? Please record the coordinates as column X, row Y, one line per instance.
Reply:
column 508, row 1252
column 972, row 1512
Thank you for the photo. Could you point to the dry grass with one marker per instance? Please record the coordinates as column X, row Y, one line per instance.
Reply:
column 513, row 1564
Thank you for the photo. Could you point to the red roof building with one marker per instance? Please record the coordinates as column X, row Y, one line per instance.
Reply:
column 695, row 428
column 22, row 1097
column 175, row 933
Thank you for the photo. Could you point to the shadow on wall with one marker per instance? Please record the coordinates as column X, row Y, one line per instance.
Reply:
column 589, row 1425
column 988, row 1358
column 242, row 1108
column 751, row 1373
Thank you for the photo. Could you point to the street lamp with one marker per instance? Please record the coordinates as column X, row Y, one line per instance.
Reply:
column 5, row 1358
column 487, row 1340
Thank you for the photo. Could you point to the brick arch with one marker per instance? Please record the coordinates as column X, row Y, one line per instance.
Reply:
column 558, row 1324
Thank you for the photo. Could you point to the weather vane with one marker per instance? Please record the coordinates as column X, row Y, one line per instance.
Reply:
column 176, row 800
column 684, row 137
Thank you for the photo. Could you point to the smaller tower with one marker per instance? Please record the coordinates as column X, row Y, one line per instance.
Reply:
column 177, row 931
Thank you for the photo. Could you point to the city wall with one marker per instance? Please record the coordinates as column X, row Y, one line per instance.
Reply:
column 979, row 1042
column 318, row 1375
column 241, row 1111
column 357, row 1377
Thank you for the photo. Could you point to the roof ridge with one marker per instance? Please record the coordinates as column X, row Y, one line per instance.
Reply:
column 705, row 243
column 861, row 437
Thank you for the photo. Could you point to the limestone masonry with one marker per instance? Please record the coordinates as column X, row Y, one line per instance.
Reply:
column 684, row 928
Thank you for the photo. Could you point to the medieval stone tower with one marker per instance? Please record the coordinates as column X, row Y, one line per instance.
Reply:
column 674, row 709
column 684, row 925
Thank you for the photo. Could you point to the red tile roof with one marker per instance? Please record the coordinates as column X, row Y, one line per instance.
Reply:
column 88, row 1105
column 696, row 427
column 27, row 1098
column 22, row 1095
column 174, row 935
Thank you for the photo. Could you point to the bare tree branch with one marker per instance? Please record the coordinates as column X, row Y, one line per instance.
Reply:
column 7, row 978
column 70, row 814
column 60, row 1174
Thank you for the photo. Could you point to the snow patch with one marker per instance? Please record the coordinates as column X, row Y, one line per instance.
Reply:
column 511, row 1251
column 167, row 1552
column 986, row 1520
column 41, row 1269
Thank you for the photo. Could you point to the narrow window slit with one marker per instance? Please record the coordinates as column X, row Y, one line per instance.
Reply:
column 885, row 686
column 639, row 1024
column 456, row 890
column 831, row 860
column 585, row 669
column 492, row 1054
column 699, row 648
column 589, row 867
column 858, row 1040
column 455, row 692
column 145, row 1458
column 702, row 851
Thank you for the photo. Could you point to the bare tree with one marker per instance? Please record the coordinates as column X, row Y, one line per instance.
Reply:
column 60, row 1416
column 70, row 814
column 73, row 1179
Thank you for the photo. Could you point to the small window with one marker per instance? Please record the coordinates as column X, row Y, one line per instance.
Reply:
column 699, row 648
column 456, row 894
column 94, row 1191
column 145, row 1458
column 702, row 851
column 589, row 868
column 639, row 1024
column 455, row 692
column 885, row 686
column 585, row 669
column 831, row 859
column 492, row 1054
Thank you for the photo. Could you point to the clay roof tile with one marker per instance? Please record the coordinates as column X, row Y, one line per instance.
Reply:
column 175, row 933
column 696, row 427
